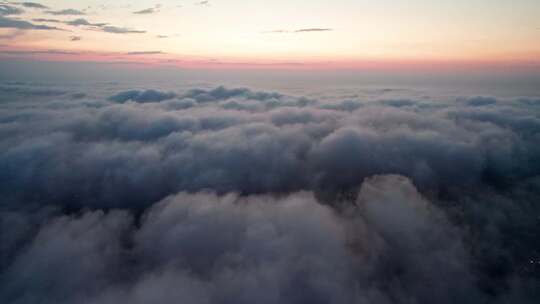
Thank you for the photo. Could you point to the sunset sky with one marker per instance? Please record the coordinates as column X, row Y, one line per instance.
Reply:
column 270, row 151
column 257, row 33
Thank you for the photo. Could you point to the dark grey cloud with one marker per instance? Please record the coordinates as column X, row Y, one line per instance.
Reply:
column 21, row 90
column 120, row 30
column 84, row 22
column 142, row 96
column 67, row 12
column 398, row 102
column 6, row 10
column 105, row 27
column 204, row 248
column 230, row 195
column 47, row 20
column 223, row 93
column 24, row 25
column 345, row 105
column 314, row 29
column 146, row 11
column 480, row 101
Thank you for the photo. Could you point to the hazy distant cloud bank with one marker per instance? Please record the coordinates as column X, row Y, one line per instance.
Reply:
column 230, row 195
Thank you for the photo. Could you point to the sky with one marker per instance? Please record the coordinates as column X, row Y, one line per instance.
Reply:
column 292, row 152
column 344, row 34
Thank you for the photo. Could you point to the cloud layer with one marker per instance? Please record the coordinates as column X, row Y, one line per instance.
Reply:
column 230, row 195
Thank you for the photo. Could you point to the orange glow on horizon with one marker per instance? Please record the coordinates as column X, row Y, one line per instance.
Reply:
column 149, row 60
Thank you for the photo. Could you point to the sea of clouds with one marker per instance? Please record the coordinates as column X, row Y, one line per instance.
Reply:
column 235, row 195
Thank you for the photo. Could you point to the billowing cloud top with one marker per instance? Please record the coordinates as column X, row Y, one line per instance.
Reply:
column 115, row 194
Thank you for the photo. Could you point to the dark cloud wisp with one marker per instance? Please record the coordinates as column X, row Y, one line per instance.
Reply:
column 47, row 20
column 84, row 22
column 6, row 10
column 146, row 11
column 101, row 26
column 120, row 30
column 67, row 12
column 24, row 25
column 33, row 5
column 314, row 29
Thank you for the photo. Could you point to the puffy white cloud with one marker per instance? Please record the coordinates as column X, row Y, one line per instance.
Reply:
column 217, row 249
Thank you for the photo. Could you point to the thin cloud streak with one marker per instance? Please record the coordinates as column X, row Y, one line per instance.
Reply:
column 32, row 5
column 84, row 22
column 24, row 25
column 120, row 30
column 313, row 30
column 146, row 11
column 6, row 10
column 101, row 26
column 302, row 30
column 47, row 20
column 67, row 12
column 40, row 52
column 145, row 53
